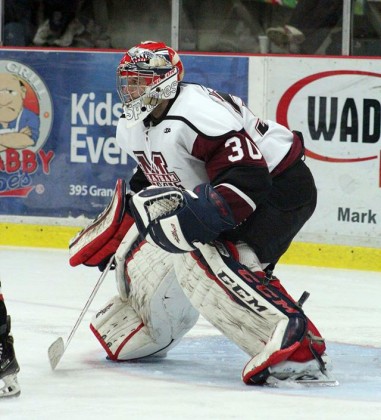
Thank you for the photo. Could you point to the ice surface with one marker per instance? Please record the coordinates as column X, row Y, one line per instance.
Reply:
column 200, row 378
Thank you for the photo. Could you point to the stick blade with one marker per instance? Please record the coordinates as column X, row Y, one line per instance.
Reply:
column 55, row 352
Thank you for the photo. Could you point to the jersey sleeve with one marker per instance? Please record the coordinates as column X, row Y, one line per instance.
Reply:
column 138, row 180
column 237, row 169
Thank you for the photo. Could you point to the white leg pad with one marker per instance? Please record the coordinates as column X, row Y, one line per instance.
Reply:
column 155, row 315
column 121, row 332
column 252, row 333
column 249, row 258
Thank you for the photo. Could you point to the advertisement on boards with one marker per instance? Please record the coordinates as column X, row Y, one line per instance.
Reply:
column 336, row 104
column 58, row 115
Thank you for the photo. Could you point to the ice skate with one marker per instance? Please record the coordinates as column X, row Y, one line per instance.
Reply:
column 8, row 366
column 311, row 373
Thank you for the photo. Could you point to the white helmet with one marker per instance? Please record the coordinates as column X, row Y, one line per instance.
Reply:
column 148, row 73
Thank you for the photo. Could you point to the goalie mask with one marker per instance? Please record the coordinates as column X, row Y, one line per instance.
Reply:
column 147, row 74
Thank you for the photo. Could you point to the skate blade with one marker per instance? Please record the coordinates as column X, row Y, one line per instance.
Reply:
column 324, row 381
column 11, row 387
column 55, row 352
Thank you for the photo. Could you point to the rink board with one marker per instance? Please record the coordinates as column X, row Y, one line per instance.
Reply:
column 71, row 170
column 335, row 103
column 322, row 255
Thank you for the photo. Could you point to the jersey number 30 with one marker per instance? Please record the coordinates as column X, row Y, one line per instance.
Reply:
column 238, row 149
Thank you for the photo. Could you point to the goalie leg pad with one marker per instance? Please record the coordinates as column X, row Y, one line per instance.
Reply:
column 122, row 333
column 298, row 356
column 156, row 294
column 271, row 326
column 153, row 317
column 130, row 244
column 304, row 353
column 227, row 303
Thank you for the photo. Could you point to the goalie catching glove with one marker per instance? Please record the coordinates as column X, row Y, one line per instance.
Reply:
column 94, row 245
column 175, row 219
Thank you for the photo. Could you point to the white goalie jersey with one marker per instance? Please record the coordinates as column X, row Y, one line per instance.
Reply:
column 206, row 136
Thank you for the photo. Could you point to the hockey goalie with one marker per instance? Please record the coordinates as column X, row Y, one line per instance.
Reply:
column 165, row 279
column 216, row 199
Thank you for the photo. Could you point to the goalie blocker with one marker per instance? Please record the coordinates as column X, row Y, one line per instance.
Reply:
column 273, row 327
column 176, row 220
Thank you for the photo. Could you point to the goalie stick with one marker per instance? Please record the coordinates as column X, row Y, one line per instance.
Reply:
column 58, row 347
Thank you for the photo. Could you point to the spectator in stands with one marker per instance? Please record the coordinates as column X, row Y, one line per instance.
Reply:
column 94, row 15
column 310, row 23
column 19, row 21
column 60, row 23
column 76, row 23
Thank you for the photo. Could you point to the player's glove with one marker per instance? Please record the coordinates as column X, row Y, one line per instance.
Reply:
column 97, row 242
column 176, row 219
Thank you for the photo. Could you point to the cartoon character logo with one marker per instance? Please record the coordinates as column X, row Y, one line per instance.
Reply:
column 25, row 124
column 19, row 126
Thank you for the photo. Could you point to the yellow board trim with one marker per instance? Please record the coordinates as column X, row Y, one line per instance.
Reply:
column 335, row 256
column 302, row 253
column 13, row 234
